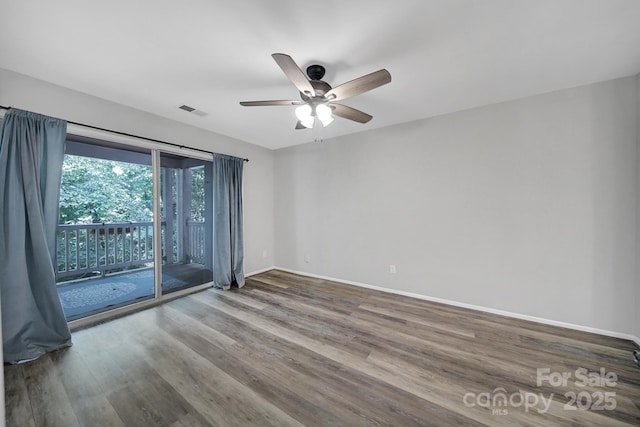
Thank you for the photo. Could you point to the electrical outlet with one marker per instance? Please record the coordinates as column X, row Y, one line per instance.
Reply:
column 264, row 253
column 392, row 269
column 307, row 258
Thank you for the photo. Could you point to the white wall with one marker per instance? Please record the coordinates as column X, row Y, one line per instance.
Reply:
column 20, row 91
column 527, row 206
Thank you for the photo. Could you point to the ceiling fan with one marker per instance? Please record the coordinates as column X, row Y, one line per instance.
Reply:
column 318, row 99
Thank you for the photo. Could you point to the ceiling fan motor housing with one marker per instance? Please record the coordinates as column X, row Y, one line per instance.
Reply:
column 315, row 73
column 319, row 87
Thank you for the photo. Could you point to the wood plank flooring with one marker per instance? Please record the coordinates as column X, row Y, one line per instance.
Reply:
column 288, row 350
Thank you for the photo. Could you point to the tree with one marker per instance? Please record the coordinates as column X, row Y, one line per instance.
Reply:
column 197, row 194
column 97, row 191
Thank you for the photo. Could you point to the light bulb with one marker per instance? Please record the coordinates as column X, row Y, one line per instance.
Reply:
column 323, row 112
column 308, row 122
column 303, row 112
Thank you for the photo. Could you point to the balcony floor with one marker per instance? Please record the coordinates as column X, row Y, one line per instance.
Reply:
column 96, row 295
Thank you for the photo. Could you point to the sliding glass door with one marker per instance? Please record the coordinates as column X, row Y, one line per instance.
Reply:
column 114, row 246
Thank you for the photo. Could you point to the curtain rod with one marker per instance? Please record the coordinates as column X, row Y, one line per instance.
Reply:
column 132, row 135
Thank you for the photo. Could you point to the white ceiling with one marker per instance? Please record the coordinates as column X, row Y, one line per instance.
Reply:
column 443, row 55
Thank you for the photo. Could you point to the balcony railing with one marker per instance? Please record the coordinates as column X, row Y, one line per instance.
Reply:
column 87, row 249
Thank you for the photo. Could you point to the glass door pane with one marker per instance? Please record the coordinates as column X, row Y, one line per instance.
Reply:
column 187, row 211
column 104, row 239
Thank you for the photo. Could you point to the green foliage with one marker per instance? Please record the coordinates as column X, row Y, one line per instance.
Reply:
column 197, row 194
column 96, row 191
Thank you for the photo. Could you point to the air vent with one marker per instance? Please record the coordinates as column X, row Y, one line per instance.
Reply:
column 193, row 110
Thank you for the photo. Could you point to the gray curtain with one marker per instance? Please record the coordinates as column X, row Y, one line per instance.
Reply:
column 228, row 246
column 31, row 155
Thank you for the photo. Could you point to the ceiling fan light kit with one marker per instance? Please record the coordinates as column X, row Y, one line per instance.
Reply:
column 306, row 113
column 318, row 97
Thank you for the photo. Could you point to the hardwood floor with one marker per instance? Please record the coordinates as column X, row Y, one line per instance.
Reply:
column 287, row 350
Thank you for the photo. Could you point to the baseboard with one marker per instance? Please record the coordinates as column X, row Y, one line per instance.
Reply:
column 262, row 270
column 550, row 322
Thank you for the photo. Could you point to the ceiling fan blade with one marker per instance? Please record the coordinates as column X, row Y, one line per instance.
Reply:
column 299, row 125
column 350, row 113
column 266, row 103
column 294, row 73
column 359, row 85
